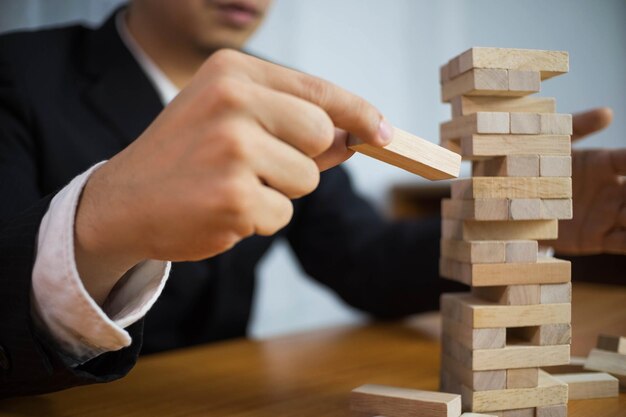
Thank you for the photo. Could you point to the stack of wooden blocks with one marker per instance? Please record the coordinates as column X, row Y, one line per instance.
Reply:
column 517, row 317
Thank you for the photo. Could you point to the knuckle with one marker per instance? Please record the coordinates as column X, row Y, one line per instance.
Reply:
column 232, row 142
column 223, row 59
column 323, row 132
column 315, row 89
column 226, row 93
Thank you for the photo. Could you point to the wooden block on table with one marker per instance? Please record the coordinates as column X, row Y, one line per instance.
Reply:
column 511, row 187
column 475, row 209
column 480, row 251
column 499, row 230
column 415, row 155
column 546, row 270
column 607, row 361
column 403, row 402
column 507, row 166
column 482, row 122
column 550, row 391
column 509, row 294
column 523, row 81
column 548, row 63
column 559, row 410
column 478, row 82
column 472, row 338
column 522, row 378
column 464, row 105
column 484, row 146
column 555, row 166
column 612, row 343
column 588, row 385
column 476, row 380
column 543, row 335
column 481, row 314
column 556, row 293
column 521, row 251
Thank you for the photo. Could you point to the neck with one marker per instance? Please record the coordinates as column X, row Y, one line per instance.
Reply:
column 178, row 60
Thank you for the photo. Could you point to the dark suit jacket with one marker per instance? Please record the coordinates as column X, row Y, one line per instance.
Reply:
column 73, row 96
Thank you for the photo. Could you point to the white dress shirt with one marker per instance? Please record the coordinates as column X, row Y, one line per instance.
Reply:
column 61, row 305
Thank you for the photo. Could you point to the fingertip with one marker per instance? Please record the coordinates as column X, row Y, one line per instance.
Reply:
column 385, row 132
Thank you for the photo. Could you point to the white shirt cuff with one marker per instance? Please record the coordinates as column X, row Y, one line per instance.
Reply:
column 81, row 328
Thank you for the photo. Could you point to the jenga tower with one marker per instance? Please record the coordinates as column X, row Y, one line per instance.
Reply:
column 517, row 317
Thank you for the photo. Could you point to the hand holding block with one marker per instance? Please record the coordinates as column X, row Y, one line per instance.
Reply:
column 403, row 402
column 413, row 154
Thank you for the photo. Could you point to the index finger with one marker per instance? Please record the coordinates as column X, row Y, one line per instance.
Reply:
column 347, row 111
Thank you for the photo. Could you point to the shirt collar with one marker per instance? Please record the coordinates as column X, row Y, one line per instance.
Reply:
column 163, row 85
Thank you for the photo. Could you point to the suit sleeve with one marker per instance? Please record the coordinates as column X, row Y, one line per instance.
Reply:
column 386, row 268
column 29, row 363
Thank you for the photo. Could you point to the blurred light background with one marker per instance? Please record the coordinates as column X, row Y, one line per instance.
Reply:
column 389, row 52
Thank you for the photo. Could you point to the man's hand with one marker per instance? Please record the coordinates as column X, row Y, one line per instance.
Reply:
column 220, row 163
column 599, row 194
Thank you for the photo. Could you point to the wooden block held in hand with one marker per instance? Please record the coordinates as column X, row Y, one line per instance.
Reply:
column 584, row 386
column 415, row 155
column 511, row 187
column 522, row 378
column 509, row 294
column 612, row 343
column 403, row 402
column 507, row 166
column 485, row 146
column 555, row 166
column 464, row 105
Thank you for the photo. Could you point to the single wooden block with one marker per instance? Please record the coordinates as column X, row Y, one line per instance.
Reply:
column 556, row 293
column 521, row 251
column 479, row 251
column 511, row 187
column 557, row 208
column 403, row 402
column 556, row 124
column 546, row 270
column 559, row 410
column 415, row 155
column 588, row 385
column 509, row 294
column 482, row 122
column 484, row 146
column 499, row 230
column 507, row 166
column 607, row 361
column 525, row 208
column 464, row 105
column 472, row 338
column 612, row 343
column 540, row 209
column 520, row 412
column 544, row 335
column 478, row 82
column 550, row 391
column 523, row 81
column 555, row 166
column 476, row 380
column 522, row 378
column 475, row 209
column 525, row 123
column 548, row 63
column 481, row 314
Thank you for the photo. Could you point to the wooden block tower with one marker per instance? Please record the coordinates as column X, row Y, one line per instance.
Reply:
column 517, row 317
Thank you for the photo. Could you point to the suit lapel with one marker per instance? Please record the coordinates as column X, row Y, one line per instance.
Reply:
column 118, row 91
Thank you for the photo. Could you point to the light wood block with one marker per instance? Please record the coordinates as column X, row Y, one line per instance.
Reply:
column 612, row 343
column 476, row 380
column 522, row 378
column 556, row 124
column 509, row 294
column 523, row 81
column 607, row 361
column 477, row 415
column 403, row 402
column 480, row 314
column 482, row 122
column 540, row 209
column 511, row 187
column 480, row 251
column 550, row 391
column 526, row 123
column 548, row 63
column 415, row 155
column 544, row 335
column 588, row 385
column 464, row 105
column 556, row 293
column 525, row 208
column 499, row 230
column 475, row 209
column 485, row 146
column 520, row 412
column 546, row 270
column 472, row 338
column 476, row 83
column 521, row 251
column 551, row 411
column 507, row 166
column 555, row 166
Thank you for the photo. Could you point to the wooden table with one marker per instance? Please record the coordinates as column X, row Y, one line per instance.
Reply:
column 303, row 375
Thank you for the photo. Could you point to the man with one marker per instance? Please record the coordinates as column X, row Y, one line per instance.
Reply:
column 231, row 162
